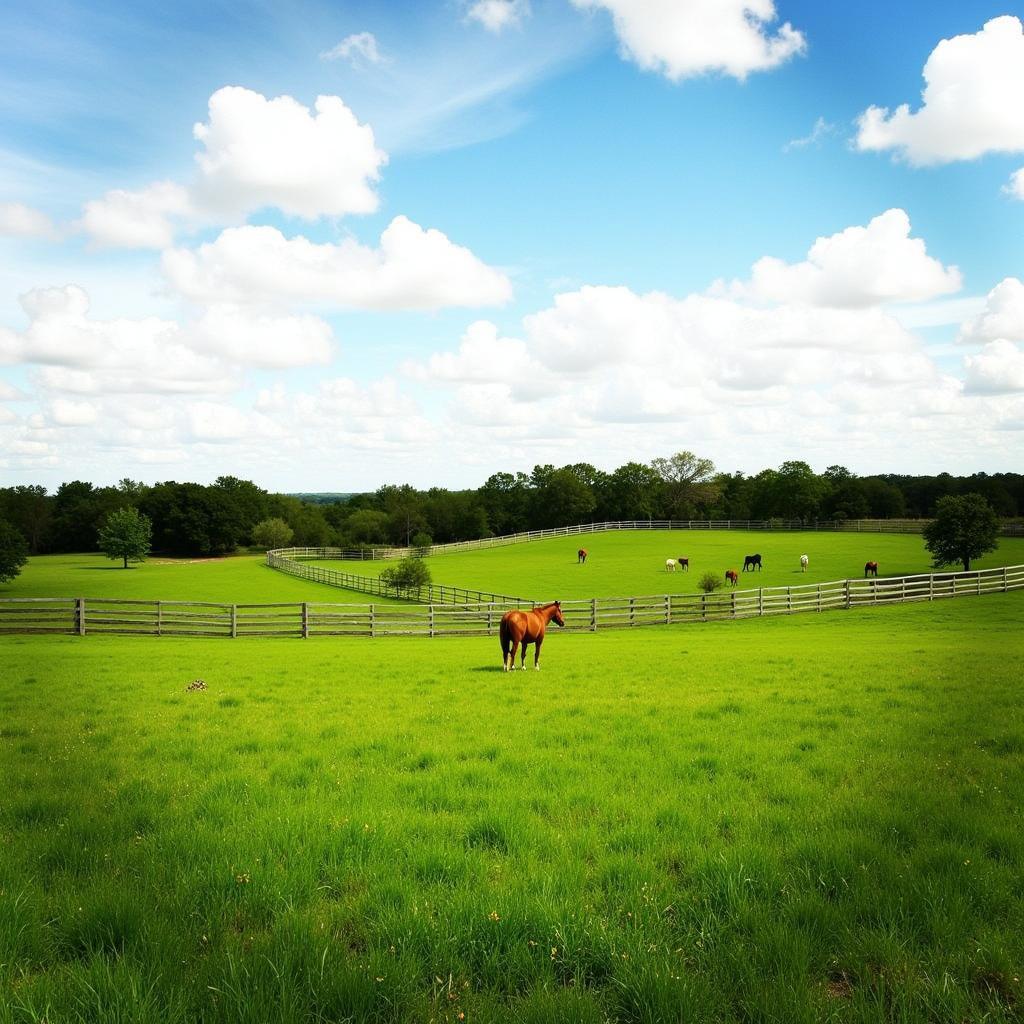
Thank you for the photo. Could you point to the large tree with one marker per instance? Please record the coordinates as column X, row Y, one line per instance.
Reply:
column 272, row 533
column 965, row 527
column 126, row 534
column 689, row 484
column 13, row 552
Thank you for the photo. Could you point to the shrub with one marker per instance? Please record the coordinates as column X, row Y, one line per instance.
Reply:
column 710, row 582
column 409, row 574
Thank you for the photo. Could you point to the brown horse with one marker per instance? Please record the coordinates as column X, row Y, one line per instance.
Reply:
column 870, row 568
column 683, row 563
column 519, row 627
column 732, row 576
column 581, row 555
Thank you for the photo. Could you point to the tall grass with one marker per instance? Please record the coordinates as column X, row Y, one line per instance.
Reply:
column 793, row 820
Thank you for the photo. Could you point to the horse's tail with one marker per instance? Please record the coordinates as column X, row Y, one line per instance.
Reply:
column 506, row 640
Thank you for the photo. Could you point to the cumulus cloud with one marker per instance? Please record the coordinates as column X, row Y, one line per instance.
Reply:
column 684, row 38
column 80, row 355
column 859, row 266
column 412, row 268
column 259, row 152
column 20, row 221
column 146, row 219
column 971, row 104
column 498, row 15
column 1002, row 317
column 997, row 369
column 358, row 48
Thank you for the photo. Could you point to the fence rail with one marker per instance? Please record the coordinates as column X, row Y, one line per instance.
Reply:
column 1008, row 528
column 83, row 616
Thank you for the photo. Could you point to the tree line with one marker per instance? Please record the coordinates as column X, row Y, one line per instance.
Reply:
column 203, row 520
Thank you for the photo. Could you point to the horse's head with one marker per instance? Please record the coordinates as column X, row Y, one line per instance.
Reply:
column 556, row 614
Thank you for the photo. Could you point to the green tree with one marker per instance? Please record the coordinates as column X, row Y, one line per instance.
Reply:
column 272, row 533
column 689, row 484
column 126, row 534
column 13, row 552
column 407, row 575
column 965, row 527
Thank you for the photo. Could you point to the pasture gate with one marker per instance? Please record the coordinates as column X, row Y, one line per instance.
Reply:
column 468, row 618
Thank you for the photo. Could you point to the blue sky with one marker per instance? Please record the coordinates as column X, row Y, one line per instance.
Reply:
column 512, row 232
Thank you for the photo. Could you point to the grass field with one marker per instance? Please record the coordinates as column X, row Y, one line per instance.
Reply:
column 794, row 820
column 627, row 562
column 239, row 579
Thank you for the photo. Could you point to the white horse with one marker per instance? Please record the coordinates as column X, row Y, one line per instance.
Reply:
column 670, row 565
column 803, row 563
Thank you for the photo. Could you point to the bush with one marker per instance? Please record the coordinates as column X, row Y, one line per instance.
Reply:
column 422, row 540
column 409, row 574
column 709, row 582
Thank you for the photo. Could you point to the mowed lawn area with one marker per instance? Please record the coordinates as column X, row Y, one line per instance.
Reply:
column 632, row 562
column 236, row 579
column 794, row 820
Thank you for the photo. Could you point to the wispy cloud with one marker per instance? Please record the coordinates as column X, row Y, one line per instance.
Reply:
column 822, row 130
column 358, row 49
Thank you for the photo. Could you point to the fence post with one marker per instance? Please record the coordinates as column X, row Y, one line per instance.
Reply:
column 632, row 611
column 80, row 615
column 760, row 600
column 593, row 615
column 846, row 587
column 490, row 618
column 234, row 621
column 1005, row 587
column 819, row 597
column 430, row 611
column 734, row 604
column 931, row 586
column 789, row 599
column 373, row 622
column 305, row 620
column 668, row 610
column 159, row 618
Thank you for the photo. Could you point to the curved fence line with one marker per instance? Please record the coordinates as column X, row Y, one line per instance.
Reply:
column 314, row 618
column 1009, row 528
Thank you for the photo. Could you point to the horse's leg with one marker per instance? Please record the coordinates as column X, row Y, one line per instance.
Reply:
column 536, row 653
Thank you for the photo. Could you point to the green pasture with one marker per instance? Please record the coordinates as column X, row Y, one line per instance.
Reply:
column 632, row 562
column 239, row 579
column 807, row 819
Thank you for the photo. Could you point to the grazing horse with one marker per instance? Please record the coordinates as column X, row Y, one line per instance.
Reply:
column 870, row 569
column 683, row 563
column 670, row 565
column 522, row 628
column 803, row 563
column 732, row 576
column 581, row 556
column 750, row 561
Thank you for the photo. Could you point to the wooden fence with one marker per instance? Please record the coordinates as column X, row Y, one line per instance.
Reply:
column 1008, row 528
column 308, row 619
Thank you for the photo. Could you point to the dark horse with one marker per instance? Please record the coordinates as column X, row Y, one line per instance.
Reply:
column 581, row 555
column 732, row 576
column 752, row 561
column 870, row 568
column 683, row 563
column 519, row 627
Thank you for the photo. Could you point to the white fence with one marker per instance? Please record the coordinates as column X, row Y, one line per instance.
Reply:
column 1009, row 528
column 83, row 616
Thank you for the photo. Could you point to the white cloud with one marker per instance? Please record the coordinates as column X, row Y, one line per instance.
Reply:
column 21, row 221
column 146, row 219
column 248, row 338
column 80, row 355
column 859, row 266
column 1015, row 186
column 971, row 101
column 498, row 15
column 413, row 268
column 997, row 369
column 65, row 413
column 684, row 38
column 259, row 153
column 1002, row 317
column 358, row 48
